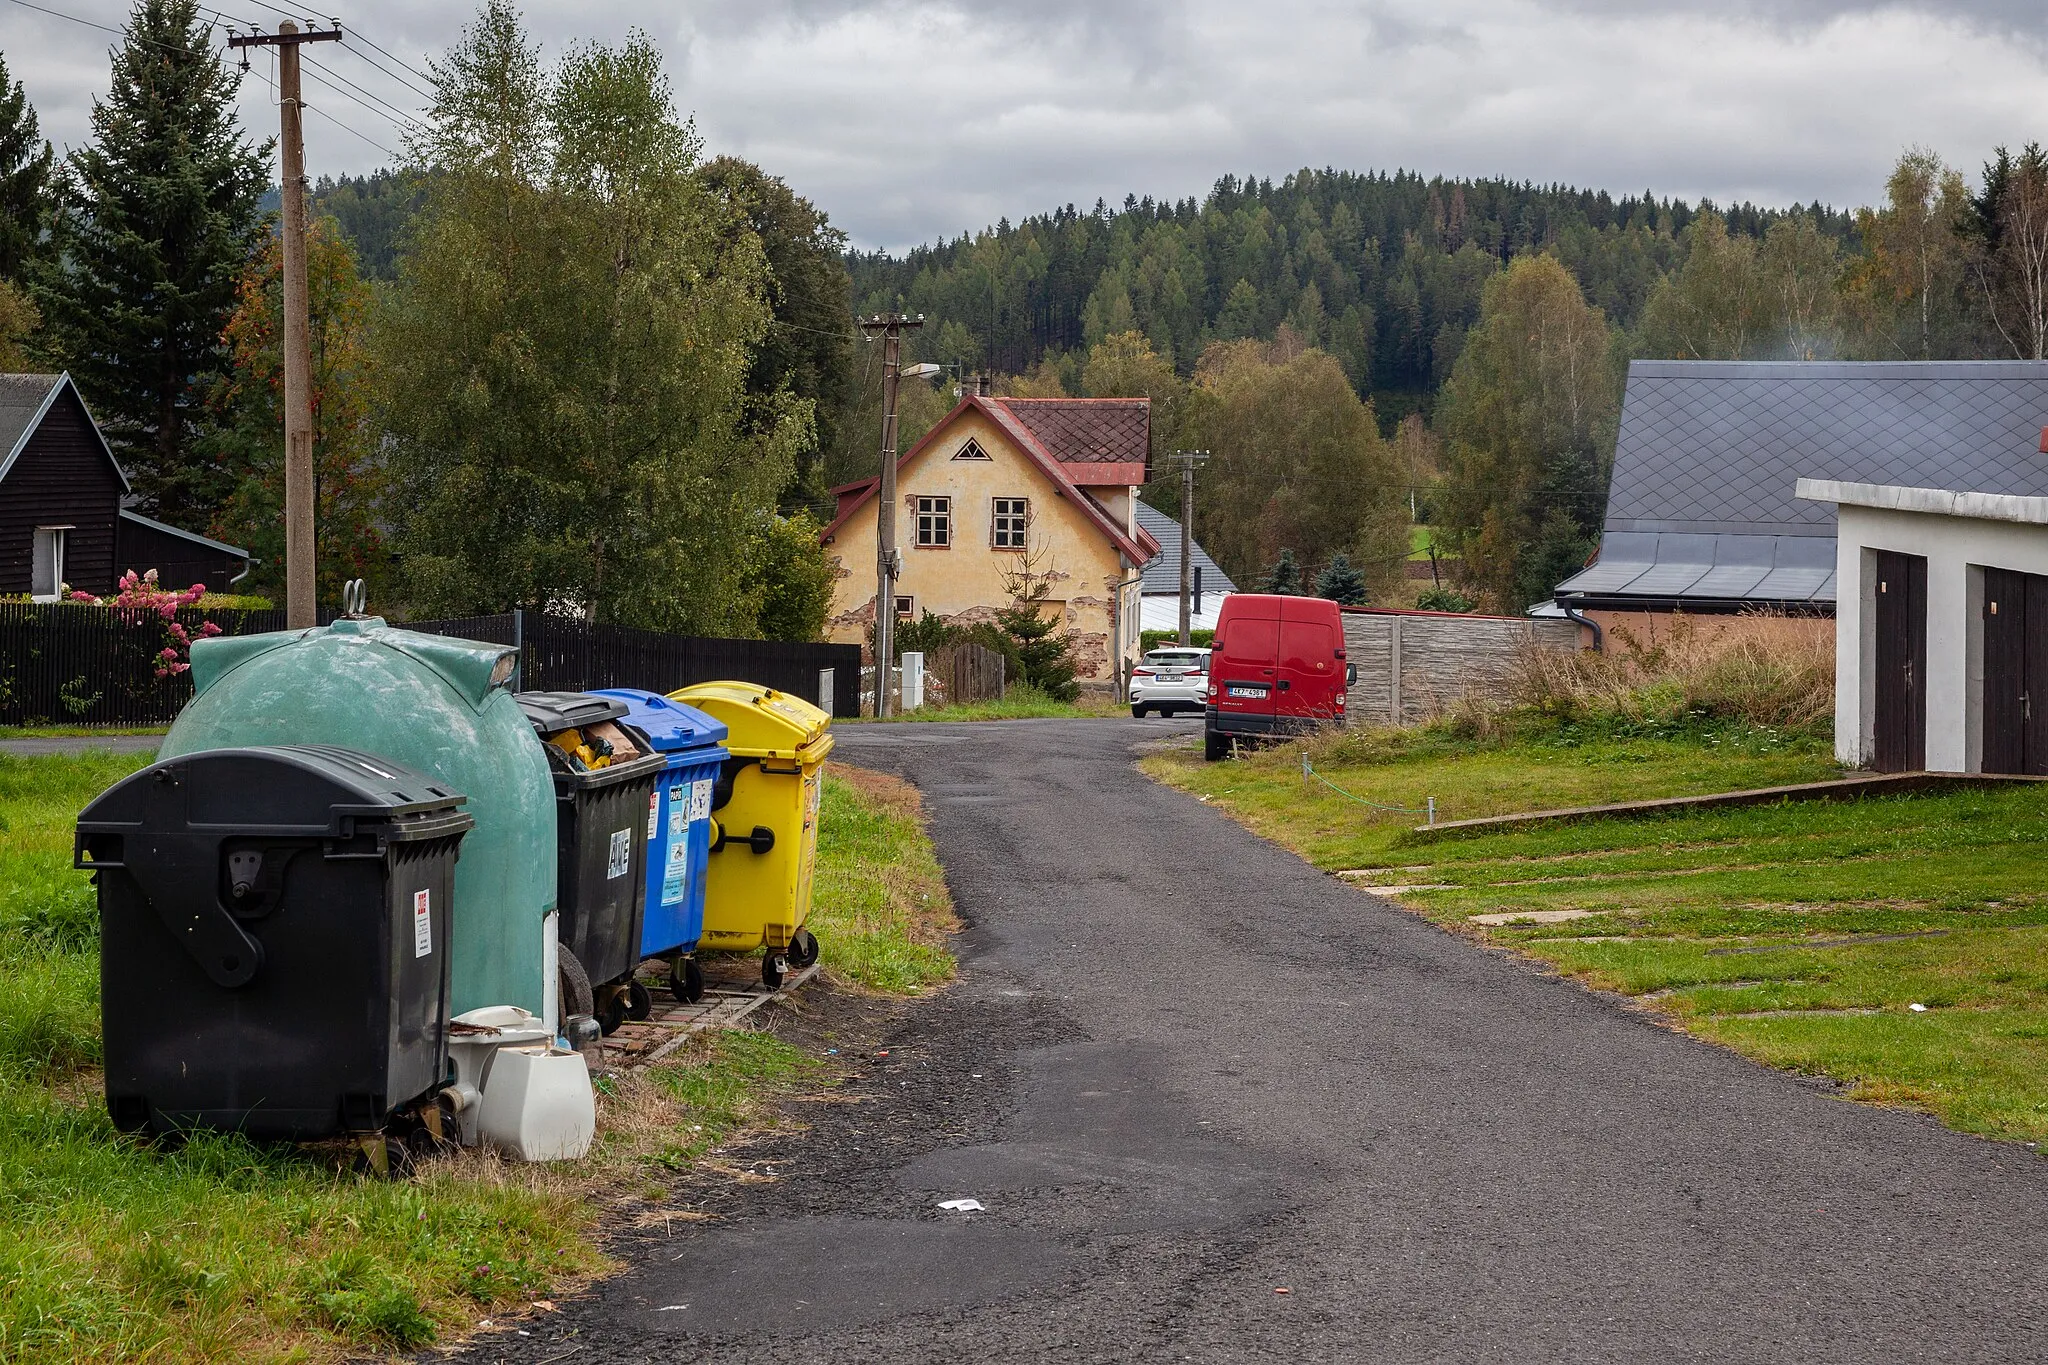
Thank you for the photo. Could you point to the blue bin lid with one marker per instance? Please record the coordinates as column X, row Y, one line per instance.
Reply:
column 670, row 726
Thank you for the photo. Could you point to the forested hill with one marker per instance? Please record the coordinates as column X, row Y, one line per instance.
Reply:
column 1384, row 270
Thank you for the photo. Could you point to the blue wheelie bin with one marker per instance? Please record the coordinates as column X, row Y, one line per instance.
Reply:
column 694, row 745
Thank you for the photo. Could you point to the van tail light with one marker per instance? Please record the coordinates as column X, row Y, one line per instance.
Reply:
column 1340, row 701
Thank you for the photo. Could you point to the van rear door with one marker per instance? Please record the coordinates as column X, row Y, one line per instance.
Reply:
column 1244, row 670
column 1311, row 659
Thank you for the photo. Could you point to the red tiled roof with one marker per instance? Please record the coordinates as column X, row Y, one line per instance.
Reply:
column 1087, row 431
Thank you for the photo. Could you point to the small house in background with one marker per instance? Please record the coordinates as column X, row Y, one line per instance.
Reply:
column 1002, row 487
column 1161, row 588
column 61, row 515
column 1703, row 516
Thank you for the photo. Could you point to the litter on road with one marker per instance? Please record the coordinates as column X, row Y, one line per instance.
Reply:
column 963, row 1205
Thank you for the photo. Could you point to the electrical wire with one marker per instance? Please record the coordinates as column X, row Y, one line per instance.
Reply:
column 366, row 98
column 348, row 129
column 375, row 65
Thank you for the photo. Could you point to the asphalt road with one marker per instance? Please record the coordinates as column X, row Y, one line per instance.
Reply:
column 1185, row 1072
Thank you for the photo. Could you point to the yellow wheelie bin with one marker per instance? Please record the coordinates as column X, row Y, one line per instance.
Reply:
column 764, row 836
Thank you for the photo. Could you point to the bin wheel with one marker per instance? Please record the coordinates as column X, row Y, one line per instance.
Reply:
column 803, row 948
column 1215, row 746
column 612, row 1010
column 574, row 985
column 639, row 1000
column 383, row 1158
column 686, row 980
column 773, row 968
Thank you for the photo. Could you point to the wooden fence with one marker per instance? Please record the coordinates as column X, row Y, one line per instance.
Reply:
column 1412, row 665
column 963, row 673
column 64, row 663
column 561, row 654
column 69, row 664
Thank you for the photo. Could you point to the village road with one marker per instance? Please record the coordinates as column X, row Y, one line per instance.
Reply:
column 1221, row 1107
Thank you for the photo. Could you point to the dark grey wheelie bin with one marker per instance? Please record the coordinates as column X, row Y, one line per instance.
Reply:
column 273, row 940
column 605, row 805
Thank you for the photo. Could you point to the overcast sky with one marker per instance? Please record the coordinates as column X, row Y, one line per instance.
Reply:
column 907, row 120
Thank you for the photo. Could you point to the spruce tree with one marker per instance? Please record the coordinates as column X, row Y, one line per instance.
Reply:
column 24, row 178
column 1341, row 582
column 1284, row 577
column 158, row 216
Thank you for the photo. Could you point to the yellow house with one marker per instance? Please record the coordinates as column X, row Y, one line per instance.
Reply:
column 1003, row 487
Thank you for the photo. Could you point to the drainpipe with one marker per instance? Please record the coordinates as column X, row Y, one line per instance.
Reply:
column 1570, row 614
column 248, row 567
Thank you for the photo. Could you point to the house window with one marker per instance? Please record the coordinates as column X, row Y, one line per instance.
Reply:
column 972, row 451
column 906, row 608
column 934, row 523
column 47, row 580
column 1007, row 526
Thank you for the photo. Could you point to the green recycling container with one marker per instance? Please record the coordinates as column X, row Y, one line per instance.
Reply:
column 437, row 704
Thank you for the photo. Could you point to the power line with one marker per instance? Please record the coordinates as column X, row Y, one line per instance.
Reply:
column 395, row 61
column 328, row 76
column 352, row 132
column 386, row 72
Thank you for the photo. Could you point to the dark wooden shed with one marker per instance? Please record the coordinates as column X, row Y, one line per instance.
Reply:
column 61, row 494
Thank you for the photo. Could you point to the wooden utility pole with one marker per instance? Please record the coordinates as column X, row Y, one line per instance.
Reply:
column 300, row 605
column 1187, row 460
column 891, row 327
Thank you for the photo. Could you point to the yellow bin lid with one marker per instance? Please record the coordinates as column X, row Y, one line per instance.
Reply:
column 761, row 722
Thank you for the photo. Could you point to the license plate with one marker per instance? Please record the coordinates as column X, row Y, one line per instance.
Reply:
column 1235, row 691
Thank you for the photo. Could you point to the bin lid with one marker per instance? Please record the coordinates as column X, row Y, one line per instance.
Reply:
column 553, row 712
column 670, row 726
column 761, row 722
column 302, row 790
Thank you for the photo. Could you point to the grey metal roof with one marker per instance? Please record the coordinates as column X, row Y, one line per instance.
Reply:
column 208, row 541
column 1162, row 573
column 1703, row 503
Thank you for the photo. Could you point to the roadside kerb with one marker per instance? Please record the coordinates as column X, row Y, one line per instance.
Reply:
column 1840, row 789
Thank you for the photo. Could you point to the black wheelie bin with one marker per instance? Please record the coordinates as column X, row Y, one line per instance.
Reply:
column 606, row 803
column 273, row 941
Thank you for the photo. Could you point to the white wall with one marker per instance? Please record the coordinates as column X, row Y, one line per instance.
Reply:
column 1957, row 549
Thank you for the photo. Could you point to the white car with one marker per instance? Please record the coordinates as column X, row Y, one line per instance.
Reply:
column 1169, row 679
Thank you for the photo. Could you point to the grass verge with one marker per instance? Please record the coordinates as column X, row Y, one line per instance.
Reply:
column 1019, row 703
column 75, row 731
column 1803, row 935
column 226, row 1250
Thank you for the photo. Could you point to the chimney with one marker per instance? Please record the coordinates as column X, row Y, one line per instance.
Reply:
column 981, row 390
column 2044, row 440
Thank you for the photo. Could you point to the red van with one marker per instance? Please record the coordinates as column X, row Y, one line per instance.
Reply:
column 1276, row 667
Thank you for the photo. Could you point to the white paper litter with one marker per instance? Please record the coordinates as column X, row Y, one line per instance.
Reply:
column 963, row 1205
column 1917, row 1007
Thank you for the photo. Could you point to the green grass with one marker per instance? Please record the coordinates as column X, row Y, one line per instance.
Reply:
column 220, row 1249
column 879, row 903
column 1799, row 934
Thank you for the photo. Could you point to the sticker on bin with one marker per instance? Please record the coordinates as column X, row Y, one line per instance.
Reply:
column 621, row 860
column 680, row 802
column 654, row 812
column 700, row 800
column 677, row 874
column 422, row 924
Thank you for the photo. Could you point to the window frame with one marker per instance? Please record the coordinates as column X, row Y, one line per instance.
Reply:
column 906, row 606
column 973, row 450
column 53, row 537
column 935, row 519
column 1021, row 529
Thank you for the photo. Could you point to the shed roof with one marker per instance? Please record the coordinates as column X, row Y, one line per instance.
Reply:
column 24, row 399
column 1703, row 505
column 1162, row 572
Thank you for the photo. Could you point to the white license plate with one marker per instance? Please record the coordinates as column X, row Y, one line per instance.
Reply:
column 1236, row 691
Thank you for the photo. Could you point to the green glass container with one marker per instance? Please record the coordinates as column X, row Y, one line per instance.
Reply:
column 433, row 703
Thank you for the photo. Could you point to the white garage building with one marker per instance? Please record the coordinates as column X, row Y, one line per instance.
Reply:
column 1941, row 633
